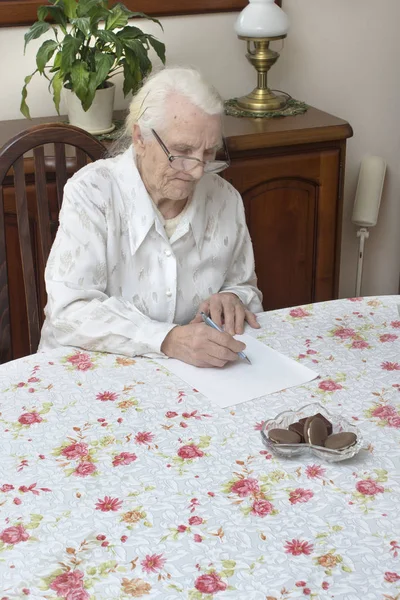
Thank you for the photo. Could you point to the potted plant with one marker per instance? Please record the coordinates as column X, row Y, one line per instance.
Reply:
column 92, row 44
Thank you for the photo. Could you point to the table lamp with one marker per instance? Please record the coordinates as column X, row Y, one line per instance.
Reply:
column 259, row 23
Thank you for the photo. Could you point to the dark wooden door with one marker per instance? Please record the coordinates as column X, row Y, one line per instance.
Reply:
column 292, row 211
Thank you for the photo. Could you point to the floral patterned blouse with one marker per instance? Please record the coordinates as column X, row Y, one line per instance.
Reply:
column 117, row 283
column 118, row 480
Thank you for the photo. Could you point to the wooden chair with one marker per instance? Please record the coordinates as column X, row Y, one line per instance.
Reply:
column 31, row 192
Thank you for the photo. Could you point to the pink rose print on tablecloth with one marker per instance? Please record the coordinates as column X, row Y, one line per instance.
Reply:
column 124, row 458
column 368, row 487
column 84, row 469
column 29, row 418
column 190, row 451
column 315, row 471
column 153, row 563
column 394, row 421
column 107, row 396
column 388, row 337
column 299, row 313
column 195, row 520
column 390, row 366
column 245, row 487
column 6, row 487
column 391, row 577
column 298, row 547
column 14, row 535
column 211, row 583
column 344, row 333
column 81, row 361
column 359, row 345
column 384, row 411
column 69, row 585
column 144, row 437
column 108, row 504
column 300, row 495
column 75, row 451
column 262, row 508
column 328, row 385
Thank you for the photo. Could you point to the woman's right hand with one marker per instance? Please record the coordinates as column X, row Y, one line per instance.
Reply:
column 202, row 346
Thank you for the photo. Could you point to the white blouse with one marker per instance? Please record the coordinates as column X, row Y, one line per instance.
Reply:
column 114, row 280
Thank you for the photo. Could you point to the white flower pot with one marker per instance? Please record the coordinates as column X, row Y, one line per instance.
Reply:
column 96, row 120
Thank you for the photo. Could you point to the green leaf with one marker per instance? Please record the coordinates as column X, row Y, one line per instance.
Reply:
column 137, row 59
column 35, row 31
column 103, row 64
column 159, row 48
column 131, row 76
column 70, row 47
column 228, row 564
column 204, row 441
column 80, row 79
column 86, row 6
column 56, row 62
column 57, row 83
column 44, row 54
column 141, row 15
column 70, row 8
column 117, row 18
column 109, row 37
column 129, row 32
column 56, row 13
column 82, row 24
column 24, row 107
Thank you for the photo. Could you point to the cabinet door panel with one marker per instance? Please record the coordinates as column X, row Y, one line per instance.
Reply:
column 291, row 204
column 281, row 220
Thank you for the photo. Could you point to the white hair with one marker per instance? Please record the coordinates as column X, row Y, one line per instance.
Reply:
column 147, row 108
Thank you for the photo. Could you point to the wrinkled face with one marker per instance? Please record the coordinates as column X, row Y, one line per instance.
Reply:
column 188, row 132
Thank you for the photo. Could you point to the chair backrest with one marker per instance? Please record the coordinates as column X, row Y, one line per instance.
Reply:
column 31, row 192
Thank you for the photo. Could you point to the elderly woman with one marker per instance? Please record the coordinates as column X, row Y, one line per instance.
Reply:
column 151, row 237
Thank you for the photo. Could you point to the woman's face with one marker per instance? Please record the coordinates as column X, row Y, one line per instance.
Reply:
column 188, row 132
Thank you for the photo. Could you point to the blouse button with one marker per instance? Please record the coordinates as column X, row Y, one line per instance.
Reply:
column 167, row 252
column 168, row 293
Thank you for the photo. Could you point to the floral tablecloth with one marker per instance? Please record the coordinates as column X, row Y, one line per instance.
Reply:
column 118, row 481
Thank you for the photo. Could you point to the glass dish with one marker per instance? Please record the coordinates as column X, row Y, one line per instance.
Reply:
column 284, row 419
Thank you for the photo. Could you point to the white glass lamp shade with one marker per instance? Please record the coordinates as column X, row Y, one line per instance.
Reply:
column 262, row 18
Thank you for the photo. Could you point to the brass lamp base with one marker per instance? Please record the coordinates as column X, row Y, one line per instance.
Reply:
column 261, row 99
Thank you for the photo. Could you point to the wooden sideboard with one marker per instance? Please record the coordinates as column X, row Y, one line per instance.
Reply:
column 290, row 172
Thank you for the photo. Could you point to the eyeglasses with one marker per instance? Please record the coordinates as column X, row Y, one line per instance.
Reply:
column 187, row 163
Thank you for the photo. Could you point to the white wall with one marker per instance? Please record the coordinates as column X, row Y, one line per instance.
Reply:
column 205, row 41
column 340, row 56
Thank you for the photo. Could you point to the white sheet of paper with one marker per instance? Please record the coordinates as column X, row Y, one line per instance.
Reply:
column 239, row 382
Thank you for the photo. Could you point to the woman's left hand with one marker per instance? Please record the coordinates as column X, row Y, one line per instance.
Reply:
column 228, row 311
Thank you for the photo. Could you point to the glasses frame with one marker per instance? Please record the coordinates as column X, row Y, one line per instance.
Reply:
column 172, row 157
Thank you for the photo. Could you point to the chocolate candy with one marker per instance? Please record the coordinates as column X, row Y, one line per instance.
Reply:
column 315, row 431
column 298, row 428
column 283, row 436
column 327, row 423
column 341, row 441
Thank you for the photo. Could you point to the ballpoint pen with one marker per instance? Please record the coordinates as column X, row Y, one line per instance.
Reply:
column 208, row 321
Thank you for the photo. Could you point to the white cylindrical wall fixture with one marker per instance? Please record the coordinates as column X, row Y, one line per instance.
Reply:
column 369, row 191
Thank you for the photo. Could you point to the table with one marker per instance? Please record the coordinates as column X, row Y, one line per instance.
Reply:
column 117, row 480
